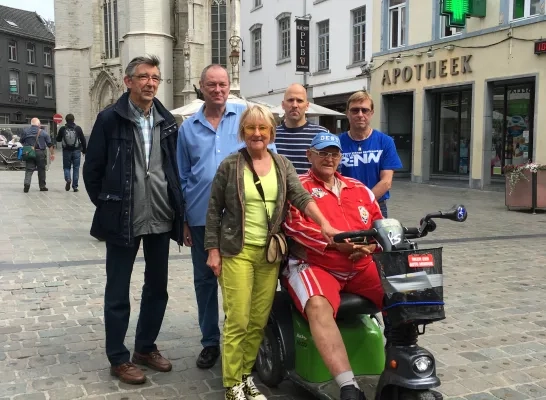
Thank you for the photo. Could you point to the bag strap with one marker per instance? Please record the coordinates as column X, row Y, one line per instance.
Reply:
column 37, row 136
column 257, row 182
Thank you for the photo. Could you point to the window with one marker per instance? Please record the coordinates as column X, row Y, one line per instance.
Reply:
column 31, row 80
column 12, row 50
column 47, row 56
column 11, row 23
column 323, row 45
column 284, row 38
column 48, row 87
column 257, row 3
column 31, row 53
column 218, row 32
column 397, row 23
column 446, row 31
column 359, row 34
column 4, row 118
column 257, row 47
column 14, row 82
column 524, row 8
column 110, row 22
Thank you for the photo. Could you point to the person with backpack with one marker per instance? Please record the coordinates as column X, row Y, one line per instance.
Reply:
column 74, row 145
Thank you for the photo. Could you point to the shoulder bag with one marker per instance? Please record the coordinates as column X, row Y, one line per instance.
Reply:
column 276, row 247
column 29, row 152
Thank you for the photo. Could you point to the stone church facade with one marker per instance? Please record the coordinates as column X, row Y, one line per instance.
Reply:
column 96, row 39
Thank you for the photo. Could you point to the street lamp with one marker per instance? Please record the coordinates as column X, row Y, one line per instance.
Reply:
column 235, row 53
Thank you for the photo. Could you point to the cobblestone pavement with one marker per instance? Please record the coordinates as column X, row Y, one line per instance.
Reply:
column 491, row 346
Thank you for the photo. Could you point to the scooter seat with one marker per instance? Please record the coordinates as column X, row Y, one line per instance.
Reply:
column 352, row 304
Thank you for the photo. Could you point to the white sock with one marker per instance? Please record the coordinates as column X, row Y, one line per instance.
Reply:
column 346, row 378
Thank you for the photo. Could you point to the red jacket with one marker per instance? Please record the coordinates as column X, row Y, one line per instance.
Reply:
column 355, row 209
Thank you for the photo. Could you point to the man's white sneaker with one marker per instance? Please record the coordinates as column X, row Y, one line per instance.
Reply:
column 250, row 389
column 236, row 392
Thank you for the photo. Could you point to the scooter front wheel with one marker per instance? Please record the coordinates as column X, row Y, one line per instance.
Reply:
column 420, row 395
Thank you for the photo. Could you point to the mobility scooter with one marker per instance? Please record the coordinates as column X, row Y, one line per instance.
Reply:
column 412, row 281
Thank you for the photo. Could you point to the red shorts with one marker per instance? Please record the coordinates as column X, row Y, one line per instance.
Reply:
column 305, row 281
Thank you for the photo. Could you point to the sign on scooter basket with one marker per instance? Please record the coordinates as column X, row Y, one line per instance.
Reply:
column 413, row 285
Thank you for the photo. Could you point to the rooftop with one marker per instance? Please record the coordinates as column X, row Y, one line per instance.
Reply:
column 24, row 23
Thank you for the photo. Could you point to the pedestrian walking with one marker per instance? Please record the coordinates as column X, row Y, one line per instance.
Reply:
column 74, row 145
column 36, row 141
column 130, row 174
column 368, row 155
column 295, row 133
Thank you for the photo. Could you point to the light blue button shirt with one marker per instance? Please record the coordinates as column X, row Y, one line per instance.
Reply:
column 200, row 150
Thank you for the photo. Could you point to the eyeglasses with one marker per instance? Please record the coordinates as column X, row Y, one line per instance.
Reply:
column 250, row 129
column 356, row 110
column 144, row 78
column 324, row 154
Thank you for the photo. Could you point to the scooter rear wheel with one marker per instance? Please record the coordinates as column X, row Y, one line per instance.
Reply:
column 420, row 395
column 268, row 363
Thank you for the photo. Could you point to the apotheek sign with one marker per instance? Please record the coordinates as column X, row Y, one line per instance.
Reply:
column 429, row 70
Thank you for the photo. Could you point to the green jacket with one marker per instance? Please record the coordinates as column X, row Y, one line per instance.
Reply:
column 226, row 212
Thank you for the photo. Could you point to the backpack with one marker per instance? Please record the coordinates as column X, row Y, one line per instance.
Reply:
column 71, row 139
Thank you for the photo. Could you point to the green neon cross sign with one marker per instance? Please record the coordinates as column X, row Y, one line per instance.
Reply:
column 457, row 12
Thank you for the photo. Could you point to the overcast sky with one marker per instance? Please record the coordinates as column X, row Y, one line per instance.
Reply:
column 42, row 7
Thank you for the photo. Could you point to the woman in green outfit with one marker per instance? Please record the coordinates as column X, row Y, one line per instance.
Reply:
column 236, row 234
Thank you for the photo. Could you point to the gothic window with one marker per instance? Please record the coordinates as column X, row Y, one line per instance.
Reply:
column 218, row 30
column 111, row 33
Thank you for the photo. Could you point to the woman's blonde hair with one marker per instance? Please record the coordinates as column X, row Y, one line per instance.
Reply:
column 257, row 113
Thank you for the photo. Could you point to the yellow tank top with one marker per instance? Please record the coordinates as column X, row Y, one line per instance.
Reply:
column 255, row 216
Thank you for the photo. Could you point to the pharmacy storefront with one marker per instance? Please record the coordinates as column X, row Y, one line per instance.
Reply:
column 464, row 112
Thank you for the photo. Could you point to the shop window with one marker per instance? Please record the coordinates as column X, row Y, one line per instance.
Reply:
column 397, row 23
column 524, row 8
column 452, row 137
column 513, row 114
column 4, row 118
column 14, row 82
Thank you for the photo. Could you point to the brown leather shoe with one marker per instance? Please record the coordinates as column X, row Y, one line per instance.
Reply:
column 154, row 360
column 128, row 373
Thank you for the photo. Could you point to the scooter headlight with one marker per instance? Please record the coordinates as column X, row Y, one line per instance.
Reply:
column 422, row 364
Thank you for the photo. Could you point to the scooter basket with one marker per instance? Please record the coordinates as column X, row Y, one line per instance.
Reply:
column 413, row 285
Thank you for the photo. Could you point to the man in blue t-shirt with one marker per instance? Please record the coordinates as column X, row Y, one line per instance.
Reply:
column 368, row 155
column 295, row 134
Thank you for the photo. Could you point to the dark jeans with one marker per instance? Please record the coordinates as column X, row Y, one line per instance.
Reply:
column 119, row 266
column 383, row 207
column 72, row 158
column 40, row 163
column 206, row 289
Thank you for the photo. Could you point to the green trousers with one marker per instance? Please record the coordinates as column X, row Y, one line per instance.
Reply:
column 248, row 285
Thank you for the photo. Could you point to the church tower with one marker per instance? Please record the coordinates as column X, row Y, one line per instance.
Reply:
column 73, row 44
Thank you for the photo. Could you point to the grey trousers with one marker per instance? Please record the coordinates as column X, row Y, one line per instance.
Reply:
column 39, row 163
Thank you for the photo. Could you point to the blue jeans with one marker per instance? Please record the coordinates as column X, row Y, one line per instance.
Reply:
column 206, row 289
column 383, row 207
column 72, row 158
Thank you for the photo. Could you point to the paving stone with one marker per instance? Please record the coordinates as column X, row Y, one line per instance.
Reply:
column 508, row 394
column 48, row 383
column 157, row 393
column 66, row 393
column 30, row 396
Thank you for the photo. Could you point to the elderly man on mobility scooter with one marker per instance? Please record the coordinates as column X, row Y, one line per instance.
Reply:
column 320, row 271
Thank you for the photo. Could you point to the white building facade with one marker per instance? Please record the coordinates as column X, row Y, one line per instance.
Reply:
column 96, row 39
column 339, row 43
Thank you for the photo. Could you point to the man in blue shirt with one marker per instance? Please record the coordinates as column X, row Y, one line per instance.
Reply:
column 368, row 155
column 40, row 139
column 204, row 140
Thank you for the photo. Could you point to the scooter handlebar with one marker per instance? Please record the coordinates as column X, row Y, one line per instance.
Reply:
column 370, row 233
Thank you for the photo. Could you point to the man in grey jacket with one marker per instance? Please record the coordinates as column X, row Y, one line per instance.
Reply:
column 41, row 143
